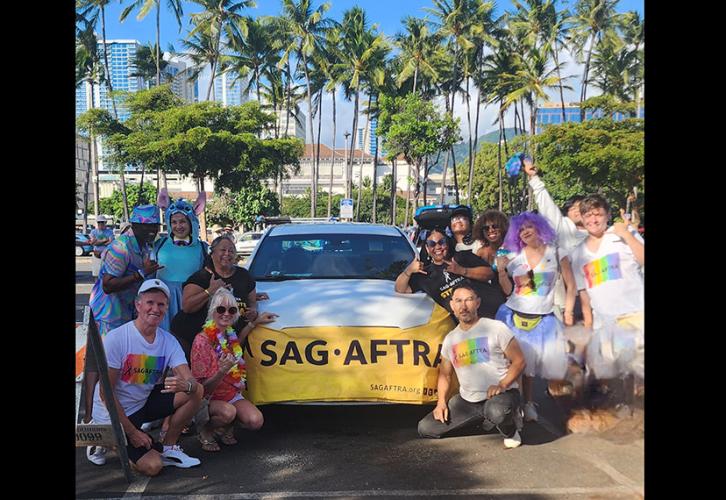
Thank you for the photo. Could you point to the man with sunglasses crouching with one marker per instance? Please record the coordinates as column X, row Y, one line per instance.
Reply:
column 139, row 353
column 488, row 361
column 443, row 274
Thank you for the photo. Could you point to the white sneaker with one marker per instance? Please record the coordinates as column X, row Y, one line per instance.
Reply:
column 174, row 455
column 96, row 455
column 514, row 441
column 530, row 412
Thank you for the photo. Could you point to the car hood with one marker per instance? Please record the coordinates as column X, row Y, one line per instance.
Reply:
column 343, row 302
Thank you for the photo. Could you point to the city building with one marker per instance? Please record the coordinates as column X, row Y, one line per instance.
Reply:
column 550, row 113
column 180, row 73
column 292, row 126
column 228, row 90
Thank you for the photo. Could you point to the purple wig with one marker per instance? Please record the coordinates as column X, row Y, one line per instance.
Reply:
column 514, row 243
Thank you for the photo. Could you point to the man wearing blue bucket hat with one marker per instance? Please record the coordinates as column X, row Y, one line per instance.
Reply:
column 125, row 265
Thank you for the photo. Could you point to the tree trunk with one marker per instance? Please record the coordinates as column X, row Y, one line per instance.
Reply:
column 202, row 216
column 93, row 153
column 332, row 162
column 89, row 170
column 360, row 167
column 394, row 196
column 289, row 92
column 408, row 196
column 415, row 77
column 375, row 181
column 317, row 153
column 425, row 179
column 585, row 76
column 471, row 150
column 123, row 193
column 562, row 95
column 214, row 64
column 443, row 177
column 105, row 62
column 499, row 155
column 451, row 114
column 158, row 46
column 456, row 181
column 314, row 190
column 350, row 156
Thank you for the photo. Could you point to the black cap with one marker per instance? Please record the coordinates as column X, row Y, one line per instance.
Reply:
column 461, row 210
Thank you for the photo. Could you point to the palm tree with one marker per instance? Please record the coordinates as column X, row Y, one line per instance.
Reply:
column 633, row 28
column 362, row 50
column 146, row 64
column 418, row 48
column 218, row 16
column 144, row 7
column 329, row 64
column 252, row 54
column 89, row 69
column 592, row 19
column 307, row 27
column 615, row 66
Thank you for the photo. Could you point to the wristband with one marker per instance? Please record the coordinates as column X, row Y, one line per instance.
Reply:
column 207, row 292
column 189, row 389
column 407, row 275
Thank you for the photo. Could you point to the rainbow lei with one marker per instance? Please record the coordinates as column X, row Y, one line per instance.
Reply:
column 227, row 342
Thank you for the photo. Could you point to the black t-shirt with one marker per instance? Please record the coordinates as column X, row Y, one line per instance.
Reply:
column 439, row 284
column 187, row 325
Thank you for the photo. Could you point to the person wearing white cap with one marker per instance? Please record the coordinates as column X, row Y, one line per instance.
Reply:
column 139, row 354
column 100, row 238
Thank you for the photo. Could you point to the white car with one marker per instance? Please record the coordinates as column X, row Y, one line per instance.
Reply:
column 343, row 334
column 245, row 243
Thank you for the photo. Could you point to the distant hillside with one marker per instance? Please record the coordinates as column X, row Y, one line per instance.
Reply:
column 461, row 150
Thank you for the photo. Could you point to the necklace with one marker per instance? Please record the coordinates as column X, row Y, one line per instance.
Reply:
column 227, row 342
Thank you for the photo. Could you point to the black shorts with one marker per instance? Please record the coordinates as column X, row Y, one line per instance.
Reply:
column 158, row 405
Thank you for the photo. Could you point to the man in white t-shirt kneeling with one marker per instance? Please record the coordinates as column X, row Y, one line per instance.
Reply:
column 139, row 353
column 488, row 361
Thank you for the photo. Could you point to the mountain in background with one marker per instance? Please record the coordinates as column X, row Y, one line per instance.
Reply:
column 461, row 150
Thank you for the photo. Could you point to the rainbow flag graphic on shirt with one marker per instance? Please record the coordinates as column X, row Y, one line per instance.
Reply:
column 143, row 369
column 602, row 270
column 470, row 352
column 542, row 284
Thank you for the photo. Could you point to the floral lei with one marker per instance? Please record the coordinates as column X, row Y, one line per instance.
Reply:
column 227, row 342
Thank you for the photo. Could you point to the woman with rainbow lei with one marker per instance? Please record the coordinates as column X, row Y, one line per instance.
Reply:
column 218, row 363
column 527, row 276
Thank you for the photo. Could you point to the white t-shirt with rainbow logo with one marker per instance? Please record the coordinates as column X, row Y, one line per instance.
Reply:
column 537, row 299
column 141, row 365
column 478, row 357
column 611, row 276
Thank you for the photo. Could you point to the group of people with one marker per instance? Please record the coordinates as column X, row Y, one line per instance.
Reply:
column 173, row 313
column 513, row 286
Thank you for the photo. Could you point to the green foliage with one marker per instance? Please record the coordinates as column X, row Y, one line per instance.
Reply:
column 609, row 105
column 595, row 156
column 412, row 127
column 243, row 206
column 113, row 205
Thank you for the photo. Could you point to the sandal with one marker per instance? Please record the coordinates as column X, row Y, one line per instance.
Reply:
column 208, row 444
column 226, row 435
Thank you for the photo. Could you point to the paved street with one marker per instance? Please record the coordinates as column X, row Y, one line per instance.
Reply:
column 374, row 451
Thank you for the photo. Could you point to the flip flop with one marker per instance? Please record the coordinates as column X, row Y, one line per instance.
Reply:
column 226, row 435
column 208, row 444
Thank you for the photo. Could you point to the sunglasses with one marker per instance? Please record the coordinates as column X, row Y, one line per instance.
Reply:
column 432, row 243
column 532, row 284
column 490, row 226
column 221, row 310
column 459, row 218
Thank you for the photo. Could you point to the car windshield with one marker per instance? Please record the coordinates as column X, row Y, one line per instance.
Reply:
column 319, row 256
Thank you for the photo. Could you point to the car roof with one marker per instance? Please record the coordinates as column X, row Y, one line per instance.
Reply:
column 334, row 228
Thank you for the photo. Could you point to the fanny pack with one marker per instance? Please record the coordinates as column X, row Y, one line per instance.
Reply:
column 526, row 322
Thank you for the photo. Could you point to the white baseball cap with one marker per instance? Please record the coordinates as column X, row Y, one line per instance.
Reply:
column 101, row 218
column 154, row 283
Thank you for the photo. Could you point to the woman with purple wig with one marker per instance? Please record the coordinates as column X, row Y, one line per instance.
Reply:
column 528, row 275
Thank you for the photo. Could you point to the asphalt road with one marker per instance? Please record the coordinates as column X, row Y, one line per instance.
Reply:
column 374, row 451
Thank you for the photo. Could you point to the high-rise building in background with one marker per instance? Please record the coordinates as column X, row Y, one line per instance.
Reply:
column 550, row 113
column 179, row 73
column 228, row 90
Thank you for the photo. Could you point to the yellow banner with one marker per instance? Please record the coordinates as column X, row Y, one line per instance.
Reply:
column 346, row 363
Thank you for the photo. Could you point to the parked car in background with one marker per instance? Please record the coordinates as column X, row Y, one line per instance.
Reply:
column 82, row 249
column 343, row 334
column 246, row 242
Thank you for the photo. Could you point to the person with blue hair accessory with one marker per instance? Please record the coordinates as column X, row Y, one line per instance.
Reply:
column 182, row 252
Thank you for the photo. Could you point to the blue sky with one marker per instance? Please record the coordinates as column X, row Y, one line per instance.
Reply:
column 386, row 13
